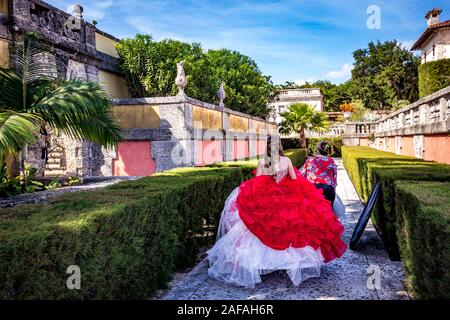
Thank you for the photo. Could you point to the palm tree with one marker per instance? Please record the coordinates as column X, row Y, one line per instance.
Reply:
column 32, row 99
column 301, row 117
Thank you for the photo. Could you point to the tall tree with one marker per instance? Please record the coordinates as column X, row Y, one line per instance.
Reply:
column 384, row 74
column 150, row 68
column 31, row 99
column 301, row 117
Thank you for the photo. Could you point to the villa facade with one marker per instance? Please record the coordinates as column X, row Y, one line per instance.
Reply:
column 434, row 43
column 287, row 97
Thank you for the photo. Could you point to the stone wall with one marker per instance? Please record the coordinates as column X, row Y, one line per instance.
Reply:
column 420, row 129
column 187, row 132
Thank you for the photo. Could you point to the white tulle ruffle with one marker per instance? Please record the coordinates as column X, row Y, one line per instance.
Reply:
column 240, row 258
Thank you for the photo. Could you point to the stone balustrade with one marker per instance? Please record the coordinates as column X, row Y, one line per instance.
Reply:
column 420, row 129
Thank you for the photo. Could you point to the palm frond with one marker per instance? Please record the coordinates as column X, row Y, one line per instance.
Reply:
column 82, row 110
column 16, row 130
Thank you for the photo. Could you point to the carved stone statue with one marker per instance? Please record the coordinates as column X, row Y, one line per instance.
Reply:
column 181, row 80
column 221, row 95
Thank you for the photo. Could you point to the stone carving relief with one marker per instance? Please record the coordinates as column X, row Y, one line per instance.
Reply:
column 66, row 26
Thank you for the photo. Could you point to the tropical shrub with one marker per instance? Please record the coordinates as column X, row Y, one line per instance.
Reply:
column 150, row 70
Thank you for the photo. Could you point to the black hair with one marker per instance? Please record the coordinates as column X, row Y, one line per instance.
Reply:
column 324, row 148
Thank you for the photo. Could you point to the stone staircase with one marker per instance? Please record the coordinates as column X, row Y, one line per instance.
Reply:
column 56, row 163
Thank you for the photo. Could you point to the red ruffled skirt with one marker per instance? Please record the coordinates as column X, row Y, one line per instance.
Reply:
column 291, row 213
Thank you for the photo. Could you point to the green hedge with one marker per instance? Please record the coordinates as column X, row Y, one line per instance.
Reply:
column 297, row 156
column 293, row 143
column 365, row 166
column 127, row 239
column 423, row 219
column 433, row 76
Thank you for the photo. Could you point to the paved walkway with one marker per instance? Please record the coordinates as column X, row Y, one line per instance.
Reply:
column 343, row 279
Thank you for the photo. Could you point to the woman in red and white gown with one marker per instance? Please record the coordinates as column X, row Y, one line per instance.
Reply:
column 275, row 221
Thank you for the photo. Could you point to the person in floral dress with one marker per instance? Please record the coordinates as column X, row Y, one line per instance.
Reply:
column 322, row 171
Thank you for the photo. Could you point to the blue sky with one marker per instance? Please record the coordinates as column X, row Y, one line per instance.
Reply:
column 302, row 40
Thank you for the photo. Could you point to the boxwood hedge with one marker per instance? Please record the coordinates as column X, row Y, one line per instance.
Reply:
column 433, row 76
column 365, row 166
column 423, row 220
column 127, row 239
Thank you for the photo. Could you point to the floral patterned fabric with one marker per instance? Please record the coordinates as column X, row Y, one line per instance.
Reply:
column 320, row 170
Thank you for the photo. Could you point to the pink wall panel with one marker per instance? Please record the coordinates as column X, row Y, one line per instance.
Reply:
column 437, row 148
column 134, row 159
column 240, row 149
column 261, row 147
column 208, row 152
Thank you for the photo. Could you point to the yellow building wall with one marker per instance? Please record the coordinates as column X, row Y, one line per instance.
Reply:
column 209, row 119
column 238, row 123
column 4, row 6
column 106, row 45
column 137, row 116
column 258, row 126
column 4, row 53
column 114, row 85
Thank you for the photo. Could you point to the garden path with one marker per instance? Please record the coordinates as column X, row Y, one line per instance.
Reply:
column 343, row 279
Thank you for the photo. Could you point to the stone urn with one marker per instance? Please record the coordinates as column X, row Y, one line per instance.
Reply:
column 347, row 115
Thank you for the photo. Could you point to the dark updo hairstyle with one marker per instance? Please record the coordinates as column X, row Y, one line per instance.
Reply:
column 269, row 152
column 324, row 148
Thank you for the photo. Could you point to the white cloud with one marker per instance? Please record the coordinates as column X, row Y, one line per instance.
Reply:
column 407, row 44
column 344, row 72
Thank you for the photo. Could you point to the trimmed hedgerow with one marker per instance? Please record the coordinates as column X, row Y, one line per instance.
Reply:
column 433, row 76
column 423, row 219
column 127, row 239
column 293, row 143
column 365, row 166
column 297, row 156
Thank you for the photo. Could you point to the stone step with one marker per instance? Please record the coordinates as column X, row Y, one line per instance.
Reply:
column 54, row 173
column 54, row 160
column 53, row 166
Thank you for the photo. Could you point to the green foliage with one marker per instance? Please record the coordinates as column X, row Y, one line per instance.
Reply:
column 150, row 69
column 359, row 111
column 383, row 74
column 8, row 186
column 292, row 143
column 31, row 98
column 365, row 166
column 302, row 116
column 423, row 231
column 74, row 181
column 433, row 76
column 127, row 239
column 54, row 184
column 20, row 184
column 297, row 156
